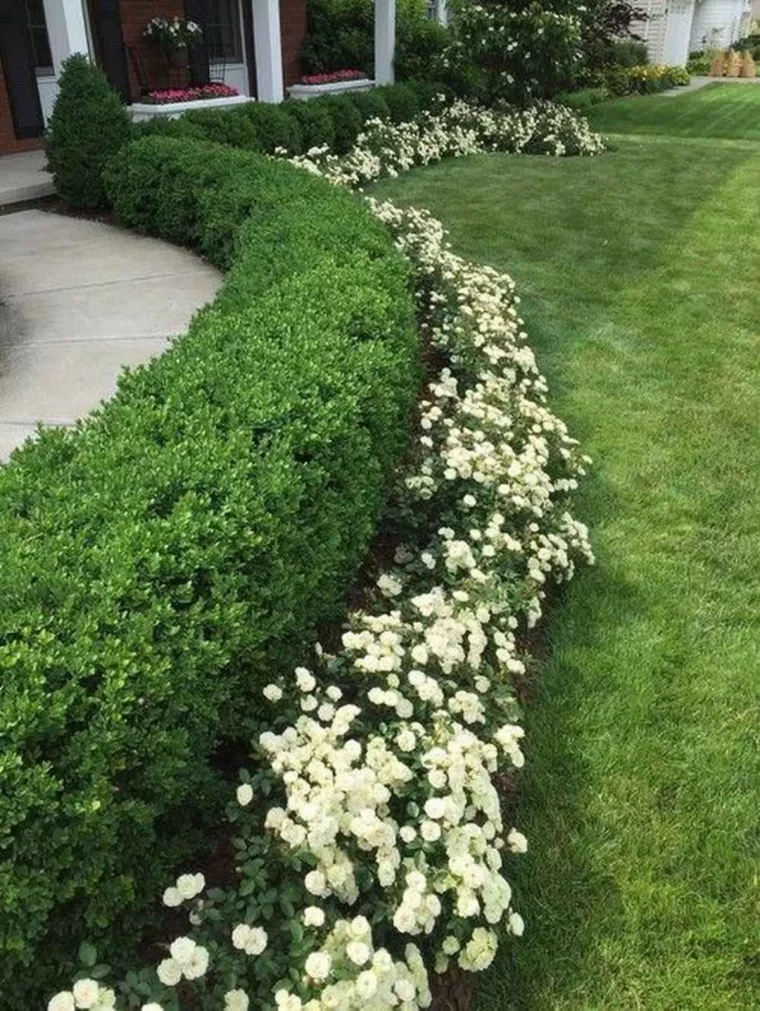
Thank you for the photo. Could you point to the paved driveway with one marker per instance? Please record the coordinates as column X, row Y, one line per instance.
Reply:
column 78, row 300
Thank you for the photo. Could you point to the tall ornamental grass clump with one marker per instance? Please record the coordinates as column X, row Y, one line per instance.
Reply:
column 157, row 559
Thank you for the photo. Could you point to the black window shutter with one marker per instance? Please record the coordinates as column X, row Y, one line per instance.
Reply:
column 109, row 39
column 17, row 57
column 250, row 52
column 196, row 10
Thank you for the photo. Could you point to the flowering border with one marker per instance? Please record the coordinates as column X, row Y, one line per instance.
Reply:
column 452, row 131
column 375, row 851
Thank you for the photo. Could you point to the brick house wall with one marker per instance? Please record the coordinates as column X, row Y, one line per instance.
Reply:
column 293, row 29
column 9, row 143
column 135, row 14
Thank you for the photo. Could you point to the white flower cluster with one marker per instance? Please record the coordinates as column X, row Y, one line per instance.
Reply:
column 178, row 33
column 187, row 960
column 366, row 977
column 86, row 993
column 461, row 128
column 186, row 887
column 399, row 784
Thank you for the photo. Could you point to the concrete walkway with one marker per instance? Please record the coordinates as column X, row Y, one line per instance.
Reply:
column 23, row 177
column 697, row 83
column 78, row 300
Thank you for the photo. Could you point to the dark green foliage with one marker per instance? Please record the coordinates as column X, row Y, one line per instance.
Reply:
column 161, row 559
column 584, row 98
column 223, row 126
column 428, row 92
column 314, row 120
column 162, row 126
column 402, row 101
column 254, row 126
column 332, row 120
column 341, row 32
column 419, row 49
column 370, row 104
column 87, row 126
column 273, row 127
column 629, row 53
column 345, row 119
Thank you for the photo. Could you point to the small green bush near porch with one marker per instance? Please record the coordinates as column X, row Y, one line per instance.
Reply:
column 88, row 125
column 158, row 559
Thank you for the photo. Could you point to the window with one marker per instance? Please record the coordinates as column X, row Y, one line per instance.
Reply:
column 222, row 31
column 35, row 16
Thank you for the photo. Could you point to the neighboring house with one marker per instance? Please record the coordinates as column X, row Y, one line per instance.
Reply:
column 253, row 45
column 675, row 28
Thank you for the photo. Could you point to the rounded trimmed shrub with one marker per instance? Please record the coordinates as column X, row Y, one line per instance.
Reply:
column 159, row 560
column 428, row 93
column 370, row 104
column 273, row 127
column 317, row 128
column 222, row 126
column 87, row 126
column 403, row 104
column 347, row 122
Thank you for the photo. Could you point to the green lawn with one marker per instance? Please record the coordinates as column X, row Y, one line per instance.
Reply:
column 728, row 111
column 640, row 277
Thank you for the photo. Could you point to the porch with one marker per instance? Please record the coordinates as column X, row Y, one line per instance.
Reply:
column 23, row 177
column 251, row 45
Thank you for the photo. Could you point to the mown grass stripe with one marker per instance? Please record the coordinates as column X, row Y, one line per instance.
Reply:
column 639, row 279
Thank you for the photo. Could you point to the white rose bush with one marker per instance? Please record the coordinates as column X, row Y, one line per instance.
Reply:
column 452, row 131
column 371, row 848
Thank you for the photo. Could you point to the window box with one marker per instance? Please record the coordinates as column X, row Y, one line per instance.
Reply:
column 306, row 91
column 147, row 110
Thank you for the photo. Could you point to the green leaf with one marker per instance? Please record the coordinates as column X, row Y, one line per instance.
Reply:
column 87, row 954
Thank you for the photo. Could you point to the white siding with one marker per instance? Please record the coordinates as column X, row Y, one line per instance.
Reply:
column 718, row 23
column 653, row 29
column 678, row 32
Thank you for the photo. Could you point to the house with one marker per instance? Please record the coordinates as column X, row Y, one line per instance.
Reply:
column 254, row 45
column 675, row 28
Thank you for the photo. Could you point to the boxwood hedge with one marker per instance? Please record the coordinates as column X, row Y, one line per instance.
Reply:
column 161, row 557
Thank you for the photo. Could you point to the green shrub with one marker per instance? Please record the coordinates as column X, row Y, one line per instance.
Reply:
column 163, row 126
column 314, row 120
column 222, row 126
column 341, row 32
column 629, row 53
column 644, row 80
column 87, row 126
column 273, row 127
column 402, row 101
column 161, row 558
column 584, row 98
column 701, row 62
column 370, row 104
column 346, row 120
column 429, row 93
column 542, row 54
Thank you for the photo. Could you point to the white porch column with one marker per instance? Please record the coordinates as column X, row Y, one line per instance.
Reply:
column 268, row 47
column 67, row 30
column 385, row 40
column 442, row 12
